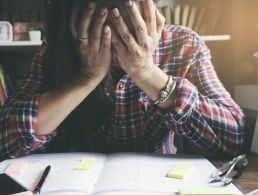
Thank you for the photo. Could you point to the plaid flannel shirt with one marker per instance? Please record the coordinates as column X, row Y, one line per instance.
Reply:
column 204, row 112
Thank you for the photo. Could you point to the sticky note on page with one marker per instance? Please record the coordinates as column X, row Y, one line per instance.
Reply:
column 16, row 167
column 207, row 191
column 85, row 163
column 180, row 171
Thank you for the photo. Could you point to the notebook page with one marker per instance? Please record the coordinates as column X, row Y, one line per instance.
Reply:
column 147, row 173
column 62, row 176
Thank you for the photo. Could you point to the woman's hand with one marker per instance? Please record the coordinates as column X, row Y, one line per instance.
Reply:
column 135, row 53
column 94, row 40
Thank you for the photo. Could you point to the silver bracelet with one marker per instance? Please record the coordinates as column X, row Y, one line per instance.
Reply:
column 166, row 91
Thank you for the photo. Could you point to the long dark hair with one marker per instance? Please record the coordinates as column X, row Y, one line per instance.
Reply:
column 63, row 63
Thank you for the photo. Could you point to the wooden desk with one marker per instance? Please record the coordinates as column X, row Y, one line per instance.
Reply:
column 248, row 181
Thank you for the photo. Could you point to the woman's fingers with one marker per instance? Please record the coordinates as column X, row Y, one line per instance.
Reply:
column 160, row 20
column 136, row 35
column 94, row 39
column 117, row 44
column 122, row 29
column 105, row 47
column 149, row 16
column 96, row 31
column 84, row 25
column 137, row 21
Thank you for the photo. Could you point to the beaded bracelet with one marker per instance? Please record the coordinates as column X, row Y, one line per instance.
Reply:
column 166, row 91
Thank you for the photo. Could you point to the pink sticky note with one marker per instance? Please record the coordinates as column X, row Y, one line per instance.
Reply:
column 16, row 167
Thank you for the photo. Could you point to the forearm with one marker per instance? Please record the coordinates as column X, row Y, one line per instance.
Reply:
column 215, row 125
column 152, row 81
column 56, row 105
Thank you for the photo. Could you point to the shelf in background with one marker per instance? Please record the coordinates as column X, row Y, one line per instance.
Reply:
column 19, row 46
column 20, row 43
column 216, row 37
column 37, row 43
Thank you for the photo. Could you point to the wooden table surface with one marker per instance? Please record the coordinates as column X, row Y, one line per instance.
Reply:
column 248, row 181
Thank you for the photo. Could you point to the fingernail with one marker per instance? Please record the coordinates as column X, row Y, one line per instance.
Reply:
column 116, row 13
column 91, row 5
column 106, row 30
column 103, row 12
column 128, row 3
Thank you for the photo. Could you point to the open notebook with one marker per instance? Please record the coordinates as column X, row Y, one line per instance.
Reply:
column 118, row 173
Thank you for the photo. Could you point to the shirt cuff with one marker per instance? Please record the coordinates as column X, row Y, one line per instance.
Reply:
column 28, row 138
column 40, row 140
column 186, row 97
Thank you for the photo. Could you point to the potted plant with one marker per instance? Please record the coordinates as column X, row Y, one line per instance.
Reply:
column 35, row 32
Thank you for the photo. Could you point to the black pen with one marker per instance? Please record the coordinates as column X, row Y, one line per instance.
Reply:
column 42, row 180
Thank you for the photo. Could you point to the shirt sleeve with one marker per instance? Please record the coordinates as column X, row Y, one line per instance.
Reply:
column 203, row 112
column 18, row 115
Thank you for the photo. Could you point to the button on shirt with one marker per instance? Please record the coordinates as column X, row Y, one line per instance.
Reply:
column 203, row 112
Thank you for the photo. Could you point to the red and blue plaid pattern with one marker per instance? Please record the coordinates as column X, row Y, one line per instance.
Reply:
column 203, row 112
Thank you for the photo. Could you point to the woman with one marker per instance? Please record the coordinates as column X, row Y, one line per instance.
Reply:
column 112, row 77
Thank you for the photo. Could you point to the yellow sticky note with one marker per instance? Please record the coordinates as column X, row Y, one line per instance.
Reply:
column 207, row 191
column 85, row 163
column 180, row 171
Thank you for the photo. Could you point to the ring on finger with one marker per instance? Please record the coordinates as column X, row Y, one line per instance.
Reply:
column 82, row 39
